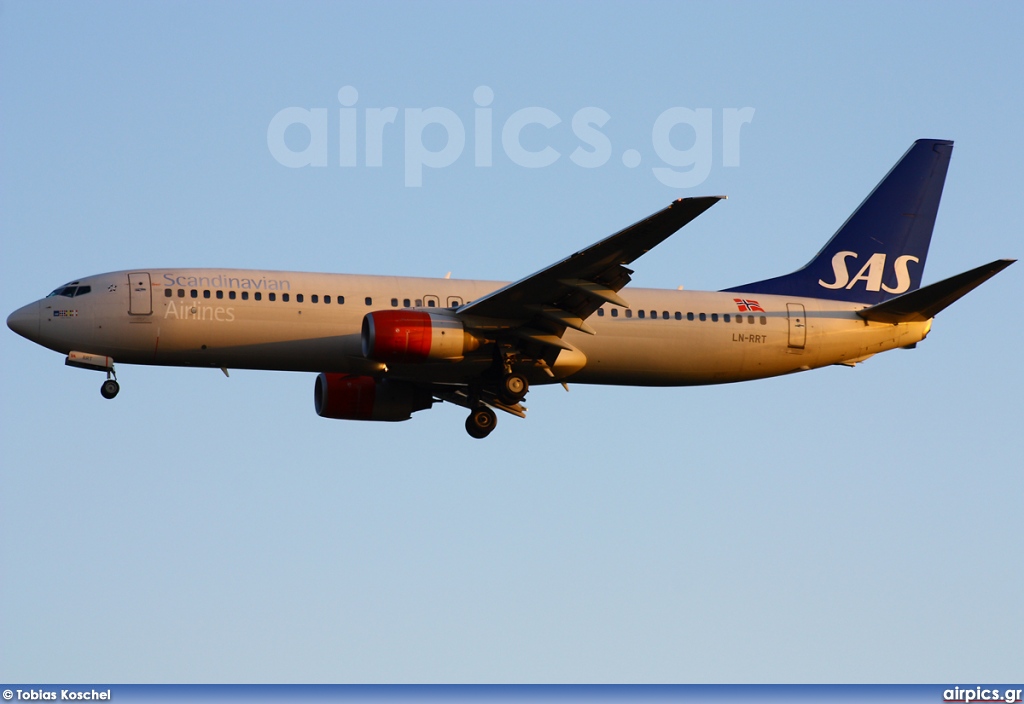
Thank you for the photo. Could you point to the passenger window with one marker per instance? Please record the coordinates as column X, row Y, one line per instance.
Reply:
column 231, row 295
column 406, row 302
column 419, row 302
column 206, row 293
column 298, row 297
column 664, row 315
column 654, row 315
column 394, row 302
column 431, row 303
column 369, row 301
column 193, row 293
column 220, row 294
column 641, row 313
column 271, row 296
column 679, row 316
column 689, row 316
column 739, row 319
column 168, row 293
column 181, row 293
column 615, row 312
column 703, row 317
column 726, row 318
column 314, row 298
column 284, row 297
column 341, row 300
column 257, row 296
column 629, row 313
column 714, row 317
column 764, row 320
column 327, row 299
column 750, row 319
column 245, row 295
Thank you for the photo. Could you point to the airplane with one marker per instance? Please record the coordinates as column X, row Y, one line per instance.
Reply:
column 385, row 347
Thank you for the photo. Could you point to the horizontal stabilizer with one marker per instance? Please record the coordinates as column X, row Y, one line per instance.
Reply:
column 924, row 303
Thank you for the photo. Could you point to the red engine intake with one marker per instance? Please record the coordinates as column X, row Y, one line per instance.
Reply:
column 409, row 336
column 348, row 397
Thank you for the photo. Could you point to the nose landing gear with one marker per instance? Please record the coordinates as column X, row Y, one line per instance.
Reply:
column 99, row 363
column 109, row 388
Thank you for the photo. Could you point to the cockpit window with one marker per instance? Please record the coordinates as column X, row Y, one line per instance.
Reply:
column 70, row 290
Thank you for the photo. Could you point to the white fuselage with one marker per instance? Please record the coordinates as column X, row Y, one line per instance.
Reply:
column 212, row 318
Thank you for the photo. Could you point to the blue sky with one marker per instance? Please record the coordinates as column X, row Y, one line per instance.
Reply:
column 844, row 525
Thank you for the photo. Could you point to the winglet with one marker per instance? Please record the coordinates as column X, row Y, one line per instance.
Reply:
column 924, row 303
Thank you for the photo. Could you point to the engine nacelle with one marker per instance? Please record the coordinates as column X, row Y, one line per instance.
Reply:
column 349, row 397
column 404, row 336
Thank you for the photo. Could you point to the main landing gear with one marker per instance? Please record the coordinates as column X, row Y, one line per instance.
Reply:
column 481, row 422
column 502, row 387
column 513, row 389
column 509, row 391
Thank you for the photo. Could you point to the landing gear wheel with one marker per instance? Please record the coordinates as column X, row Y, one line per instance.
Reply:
column 109, row 388
column 481, row 422
column 514, row 388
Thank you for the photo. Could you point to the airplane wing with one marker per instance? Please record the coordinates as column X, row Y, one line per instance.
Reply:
column 564, row 294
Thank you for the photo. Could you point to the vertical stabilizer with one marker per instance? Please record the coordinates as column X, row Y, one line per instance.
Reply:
column 879, row 252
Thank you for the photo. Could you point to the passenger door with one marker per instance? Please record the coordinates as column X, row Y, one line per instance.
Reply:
column 140, row 295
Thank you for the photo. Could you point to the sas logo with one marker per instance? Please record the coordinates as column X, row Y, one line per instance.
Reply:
column 870, row 273
column 65, row 314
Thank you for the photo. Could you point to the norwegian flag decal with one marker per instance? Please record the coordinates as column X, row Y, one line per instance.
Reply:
column 746, row 305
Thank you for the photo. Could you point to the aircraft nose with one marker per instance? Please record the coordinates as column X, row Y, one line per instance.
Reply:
column 25, row 321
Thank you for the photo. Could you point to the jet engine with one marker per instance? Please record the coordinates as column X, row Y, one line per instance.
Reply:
column 350, row 397
column 409, row 336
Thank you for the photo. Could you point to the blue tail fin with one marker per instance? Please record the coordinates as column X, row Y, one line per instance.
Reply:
column 879, row 252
